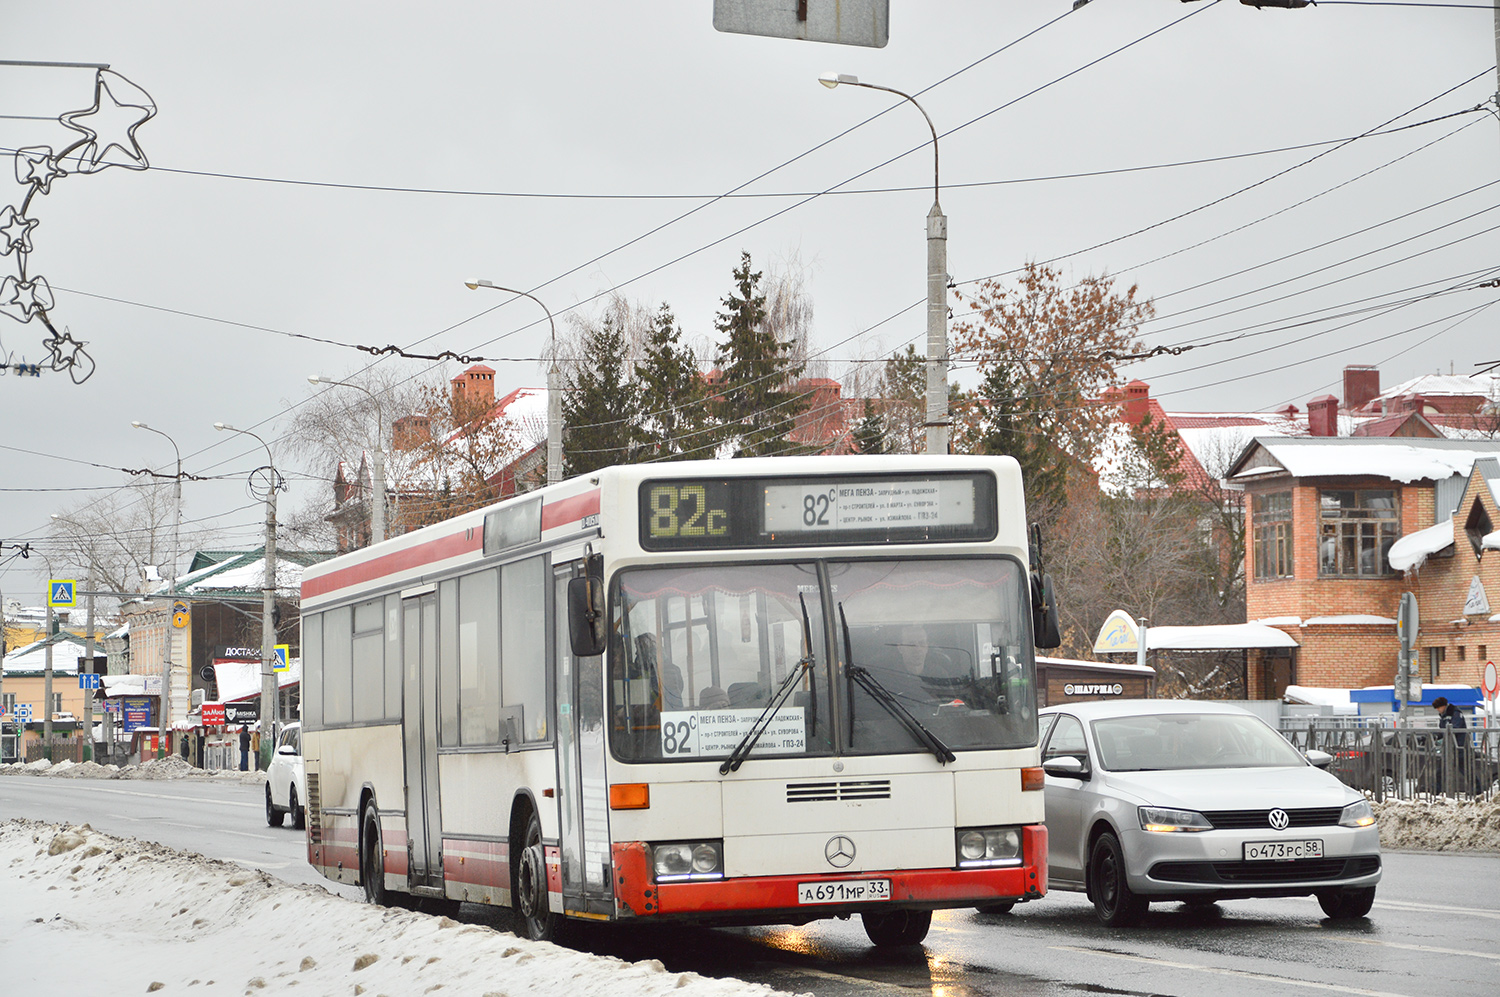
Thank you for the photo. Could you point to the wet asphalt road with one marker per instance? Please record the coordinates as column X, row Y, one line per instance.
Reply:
column 1434, row 931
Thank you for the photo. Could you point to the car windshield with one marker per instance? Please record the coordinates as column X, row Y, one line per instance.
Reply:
column 1190, row 741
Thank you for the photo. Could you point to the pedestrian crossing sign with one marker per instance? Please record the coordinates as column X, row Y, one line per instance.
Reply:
column 60, row 593
column 281, row 664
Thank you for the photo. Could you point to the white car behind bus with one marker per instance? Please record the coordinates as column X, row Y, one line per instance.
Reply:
column 286, row 780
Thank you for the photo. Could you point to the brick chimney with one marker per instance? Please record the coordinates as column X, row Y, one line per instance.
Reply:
column 410, row 431
column 474, row 389
column 1323, row 416
column 1361, row 386
column 1137, row 402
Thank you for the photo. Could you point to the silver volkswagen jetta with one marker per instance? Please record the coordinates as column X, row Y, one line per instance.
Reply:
column 1197, row 802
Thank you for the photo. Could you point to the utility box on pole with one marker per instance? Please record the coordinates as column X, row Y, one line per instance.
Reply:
column 1408, row 682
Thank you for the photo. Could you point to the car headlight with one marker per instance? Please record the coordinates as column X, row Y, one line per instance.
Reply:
column 682, row 860
column 1357, row 814
column 981, row 846
column 1169, row 819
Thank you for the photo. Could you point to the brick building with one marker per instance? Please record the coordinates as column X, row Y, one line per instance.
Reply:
column 1324, row 514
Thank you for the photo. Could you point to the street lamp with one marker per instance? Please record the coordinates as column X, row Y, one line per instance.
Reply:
column 268, row 690
column 937, row 283
column 554, row 391
column 166, row 682
column 377, row 510
column 88, row 652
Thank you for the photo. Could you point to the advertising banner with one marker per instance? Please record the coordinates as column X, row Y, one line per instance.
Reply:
column 137, row 713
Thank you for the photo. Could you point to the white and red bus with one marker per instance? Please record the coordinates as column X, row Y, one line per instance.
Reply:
column 723, row 692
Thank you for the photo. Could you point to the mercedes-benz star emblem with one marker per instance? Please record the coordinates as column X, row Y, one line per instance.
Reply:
column 839, row 851
column 1278, row 819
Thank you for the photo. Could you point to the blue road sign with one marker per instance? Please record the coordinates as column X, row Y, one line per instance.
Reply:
column 88, row 680
column 60, row 593
column 23, row 711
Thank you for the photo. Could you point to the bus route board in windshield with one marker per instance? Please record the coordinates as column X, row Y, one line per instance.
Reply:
column 697, row 513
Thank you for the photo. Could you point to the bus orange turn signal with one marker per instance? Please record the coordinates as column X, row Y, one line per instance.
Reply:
column 633, row 796
column 1032, row 778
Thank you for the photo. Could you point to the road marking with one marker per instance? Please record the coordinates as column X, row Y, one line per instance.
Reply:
column 1438, row 908
column 189, row 827
column 169, row 796
column 1221, row 971
column 246, row 834
column 1414, row 948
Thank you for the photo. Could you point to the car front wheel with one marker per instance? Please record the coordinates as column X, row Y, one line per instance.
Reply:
column 273, row 815
column 1114, row 902
column 299, row 812
column 1349, row 903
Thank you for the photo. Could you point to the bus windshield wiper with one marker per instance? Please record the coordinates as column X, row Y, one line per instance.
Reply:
column 883, row 696
column 747, row 743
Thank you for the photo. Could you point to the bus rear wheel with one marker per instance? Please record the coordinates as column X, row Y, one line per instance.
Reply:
column 372, row 858
column 530, row 896
column 890, row 928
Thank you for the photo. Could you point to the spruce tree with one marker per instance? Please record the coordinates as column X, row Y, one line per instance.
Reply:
column 601, row 403
column 671, row 394
column 869, row 433
column 755, row 401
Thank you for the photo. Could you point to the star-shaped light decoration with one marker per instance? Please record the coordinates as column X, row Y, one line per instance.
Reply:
column 68, row 354
column 35, row 166
column 15, row 231
column 120, row 107
column 21, row 299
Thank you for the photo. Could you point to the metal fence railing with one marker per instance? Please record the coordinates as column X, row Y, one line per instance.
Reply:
column 1403, row 762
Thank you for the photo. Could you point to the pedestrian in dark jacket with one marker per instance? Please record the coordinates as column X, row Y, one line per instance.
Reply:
column 1455, row 745
column 244, row 749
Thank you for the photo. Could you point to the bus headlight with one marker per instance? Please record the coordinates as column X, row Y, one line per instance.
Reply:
column 981, row 846
column 684, row 860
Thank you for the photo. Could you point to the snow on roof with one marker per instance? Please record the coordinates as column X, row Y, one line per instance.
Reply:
column 1103, row 666
column 67, row 651
column 1414, row 460
column 1349, row 619
column 239, row 680
column 123, row 685
column 1408, row 553
column 1216, row 637
column 1314, row 696
column 1452, row 385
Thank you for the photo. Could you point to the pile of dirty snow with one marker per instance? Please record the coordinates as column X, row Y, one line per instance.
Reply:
column 156, row 768
column 163, row 920
column 1439, row 824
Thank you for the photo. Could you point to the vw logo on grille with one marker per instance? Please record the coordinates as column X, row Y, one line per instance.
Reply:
column 839, row 851
column 1278, row 819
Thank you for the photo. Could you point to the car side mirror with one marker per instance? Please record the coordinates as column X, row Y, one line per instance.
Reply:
column 1066, row 767
column 586, row 616
column 286, row 749
column 1320, row 759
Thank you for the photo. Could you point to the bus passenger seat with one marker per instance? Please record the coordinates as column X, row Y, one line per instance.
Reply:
column 712, row 698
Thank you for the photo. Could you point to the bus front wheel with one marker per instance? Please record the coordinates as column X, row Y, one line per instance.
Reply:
column 890, row 928
column 530, row 900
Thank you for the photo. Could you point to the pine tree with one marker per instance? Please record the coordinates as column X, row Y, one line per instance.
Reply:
column 671, row 393
column 756, row 404
column 870, row 433
column 601, row 403
column 997, row 420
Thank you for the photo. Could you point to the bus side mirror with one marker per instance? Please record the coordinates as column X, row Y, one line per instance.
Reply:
column 586, row 616
column 1044, row 613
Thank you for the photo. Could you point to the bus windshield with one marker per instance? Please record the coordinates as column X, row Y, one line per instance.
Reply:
column 698, row 653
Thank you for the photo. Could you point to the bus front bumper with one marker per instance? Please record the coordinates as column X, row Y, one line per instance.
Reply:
column 777, row 899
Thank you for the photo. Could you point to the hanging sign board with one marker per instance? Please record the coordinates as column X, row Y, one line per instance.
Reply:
column 1119, row 635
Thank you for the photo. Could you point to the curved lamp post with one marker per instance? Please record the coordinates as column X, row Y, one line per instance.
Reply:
column 937, row 282
column 554, row 390
column 377, row 508
column 166, row 682
column 268, row 690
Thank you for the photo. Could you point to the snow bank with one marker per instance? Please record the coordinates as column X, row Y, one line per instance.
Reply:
column 164, row 920
column 1439, row 824
column 156, row 768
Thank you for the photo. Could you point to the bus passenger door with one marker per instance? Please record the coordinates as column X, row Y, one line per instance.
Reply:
column 424, row 832
column 582, row 795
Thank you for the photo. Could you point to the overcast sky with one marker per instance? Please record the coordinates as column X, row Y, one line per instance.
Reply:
column 336, row 170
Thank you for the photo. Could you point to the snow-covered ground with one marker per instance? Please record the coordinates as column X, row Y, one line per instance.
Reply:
column 156, row 768
column 83, row 909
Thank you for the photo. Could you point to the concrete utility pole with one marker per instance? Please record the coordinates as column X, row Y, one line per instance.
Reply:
column 937, row 281
column 268, row 690
column 554, row 385
column 47, row 682
column 377, row 506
